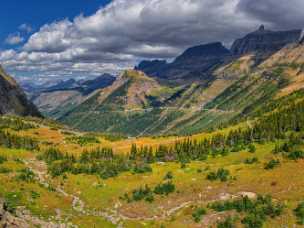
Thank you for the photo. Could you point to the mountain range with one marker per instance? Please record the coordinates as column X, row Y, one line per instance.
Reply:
column 205, row 87
column 54, row 100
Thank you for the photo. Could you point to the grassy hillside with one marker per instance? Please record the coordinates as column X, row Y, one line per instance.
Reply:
column 243, row 174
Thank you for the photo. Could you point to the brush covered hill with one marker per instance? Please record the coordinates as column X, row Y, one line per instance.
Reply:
column 12, row 98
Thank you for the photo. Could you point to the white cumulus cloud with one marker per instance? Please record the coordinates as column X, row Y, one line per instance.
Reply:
column 126, row 31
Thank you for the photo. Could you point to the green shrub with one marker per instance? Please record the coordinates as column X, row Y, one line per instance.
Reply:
column 229, row 222
column 5, row 170
column 296, row 155
column 199, row 170
column 11, row 201
column 272, row 164
column 2, row 159
column 26, row 175
column 84, row 140
column 253, row 221
column 221, row 174
column 142, row 168
column 168, row 176
column 256, row 211
column 250, row 161
column 198, row 213
column 141, row 193
column 299, row 213
column 35, row 195
column 251, row 148
column 165, row 188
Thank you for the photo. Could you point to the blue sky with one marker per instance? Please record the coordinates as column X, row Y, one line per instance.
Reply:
column 36, row 13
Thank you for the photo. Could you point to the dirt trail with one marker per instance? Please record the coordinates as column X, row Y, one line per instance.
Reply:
column 40, row 170
column 114, row 216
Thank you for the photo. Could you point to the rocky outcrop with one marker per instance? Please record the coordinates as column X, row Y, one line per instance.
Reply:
column 196, row 63
column 22, row 218
column 9, row 220
column 12, row 98
column 264, row 42
column 208, row 51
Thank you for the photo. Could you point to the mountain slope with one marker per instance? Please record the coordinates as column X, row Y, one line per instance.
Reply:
column 12, row 98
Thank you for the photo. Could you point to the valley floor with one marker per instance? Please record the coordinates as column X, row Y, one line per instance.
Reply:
column 89, row 201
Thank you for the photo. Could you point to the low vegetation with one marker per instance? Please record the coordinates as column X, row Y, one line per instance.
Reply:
column 299, row 213
column 221, row 174
column 256, row 211
column 198, row 214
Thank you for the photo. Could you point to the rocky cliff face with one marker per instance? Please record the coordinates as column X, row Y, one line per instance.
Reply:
column 12, row 98
column 195, row 63
column 264, row 41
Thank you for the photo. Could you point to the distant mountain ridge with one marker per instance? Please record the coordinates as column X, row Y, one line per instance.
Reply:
column 84, row 86
column 264, row 41
column 196, row 63
column 12, row 98
column 55, row 100
column 199, row 61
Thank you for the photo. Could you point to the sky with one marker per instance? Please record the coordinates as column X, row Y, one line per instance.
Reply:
column 64, row 38
column 28, row 16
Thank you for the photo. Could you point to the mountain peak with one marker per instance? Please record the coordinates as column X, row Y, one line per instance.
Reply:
column 262, row 28
column 264, row 41
column 205, row 50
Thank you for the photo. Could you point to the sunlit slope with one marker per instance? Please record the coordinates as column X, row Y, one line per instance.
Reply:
column 137, row 105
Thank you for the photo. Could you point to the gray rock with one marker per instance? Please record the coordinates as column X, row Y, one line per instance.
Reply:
column 196, row 63
column 264, row 42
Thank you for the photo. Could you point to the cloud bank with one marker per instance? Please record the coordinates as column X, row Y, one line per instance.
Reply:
column 126, row 31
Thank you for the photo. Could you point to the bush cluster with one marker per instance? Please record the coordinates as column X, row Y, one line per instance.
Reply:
column 221, row 174
column 256, row 211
